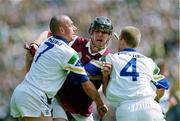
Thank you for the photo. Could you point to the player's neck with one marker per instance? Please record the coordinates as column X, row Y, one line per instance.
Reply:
column 94, row 49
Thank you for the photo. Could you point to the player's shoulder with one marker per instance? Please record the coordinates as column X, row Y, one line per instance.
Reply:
column 62, row 46
column 78, row 40
column 66, row 51
column 146, row 59
column 81, row 40
column 79, row 43
column 113, row 54
column 110, row 57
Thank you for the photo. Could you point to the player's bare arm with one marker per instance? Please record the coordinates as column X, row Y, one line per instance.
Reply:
column 42, row 37
column 160, row 93
column 31, row 49
column 161, row 84
column 94, row 95
column 106, row 71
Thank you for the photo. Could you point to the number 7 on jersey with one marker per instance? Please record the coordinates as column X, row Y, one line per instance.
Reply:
column 49, row 46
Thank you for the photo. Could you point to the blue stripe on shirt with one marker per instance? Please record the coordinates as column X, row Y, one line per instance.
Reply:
column 93, row 67
column 163, row 83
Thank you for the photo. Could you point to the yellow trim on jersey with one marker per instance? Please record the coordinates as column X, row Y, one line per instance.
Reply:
column 79, row 70
column 158, row 77
column 96, row 63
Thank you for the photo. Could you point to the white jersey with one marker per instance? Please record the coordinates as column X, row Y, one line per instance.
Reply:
column 51, row 64
column 131, row 76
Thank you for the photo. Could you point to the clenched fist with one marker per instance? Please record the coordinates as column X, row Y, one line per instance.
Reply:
column 102, row 110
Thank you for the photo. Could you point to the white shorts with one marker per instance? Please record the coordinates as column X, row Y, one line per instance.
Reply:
column 139, row 110
column 28, row 101
column 58, row 111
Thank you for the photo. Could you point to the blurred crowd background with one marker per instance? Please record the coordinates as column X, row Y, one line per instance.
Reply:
column 21, row 21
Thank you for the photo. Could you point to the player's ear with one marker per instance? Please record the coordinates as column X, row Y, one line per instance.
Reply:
column 61, row 29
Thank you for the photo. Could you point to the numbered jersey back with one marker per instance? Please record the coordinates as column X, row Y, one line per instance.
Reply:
column 47, row 71
column 130, row 77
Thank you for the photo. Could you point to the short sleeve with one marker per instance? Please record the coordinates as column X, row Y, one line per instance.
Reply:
column 72, row 63
column 159, row 80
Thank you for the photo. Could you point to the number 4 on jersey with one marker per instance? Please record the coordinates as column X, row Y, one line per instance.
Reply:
column 134, row 73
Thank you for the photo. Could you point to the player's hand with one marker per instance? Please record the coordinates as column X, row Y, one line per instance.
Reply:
column 32, row 48
column 106, row 68
column 106, row 71
column 102, row 111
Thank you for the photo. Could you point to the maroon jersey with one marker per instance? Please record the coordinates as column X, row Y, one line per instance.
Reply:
column 71, row 95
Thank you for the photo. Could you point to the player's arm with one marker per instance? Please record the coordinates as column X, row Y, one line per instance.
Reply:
column 93, row 69
column 28, row 60
column 160, row 82
column 106, row 71
column 159, row 94
column 31, row 49
column 42, row 37
column 77, row 70
column 91, row 91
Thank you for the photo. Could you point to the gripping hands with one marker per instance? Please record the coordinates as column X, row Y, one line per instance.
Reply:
column 102, row 110
column 31, row 48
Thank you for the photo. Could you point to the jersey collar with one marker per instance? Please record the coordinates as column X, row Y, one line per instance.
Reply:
column 129, row 49
column 61, row 38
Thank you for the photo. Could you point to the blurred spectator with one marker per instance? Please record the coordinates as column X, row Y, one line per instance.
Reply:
column 173, row 113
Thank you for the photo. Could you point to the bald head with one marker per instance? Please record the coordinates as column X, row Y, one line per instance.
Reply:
column 131, row 36
column 56, row 22
column 62, row 26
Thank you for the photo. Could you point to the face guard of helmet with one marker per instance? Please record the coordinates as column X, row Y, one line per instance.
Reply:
column 101, row 23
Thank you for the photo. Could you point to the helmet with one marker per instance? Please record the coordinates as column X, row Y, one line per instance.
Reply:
column 101, row 23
